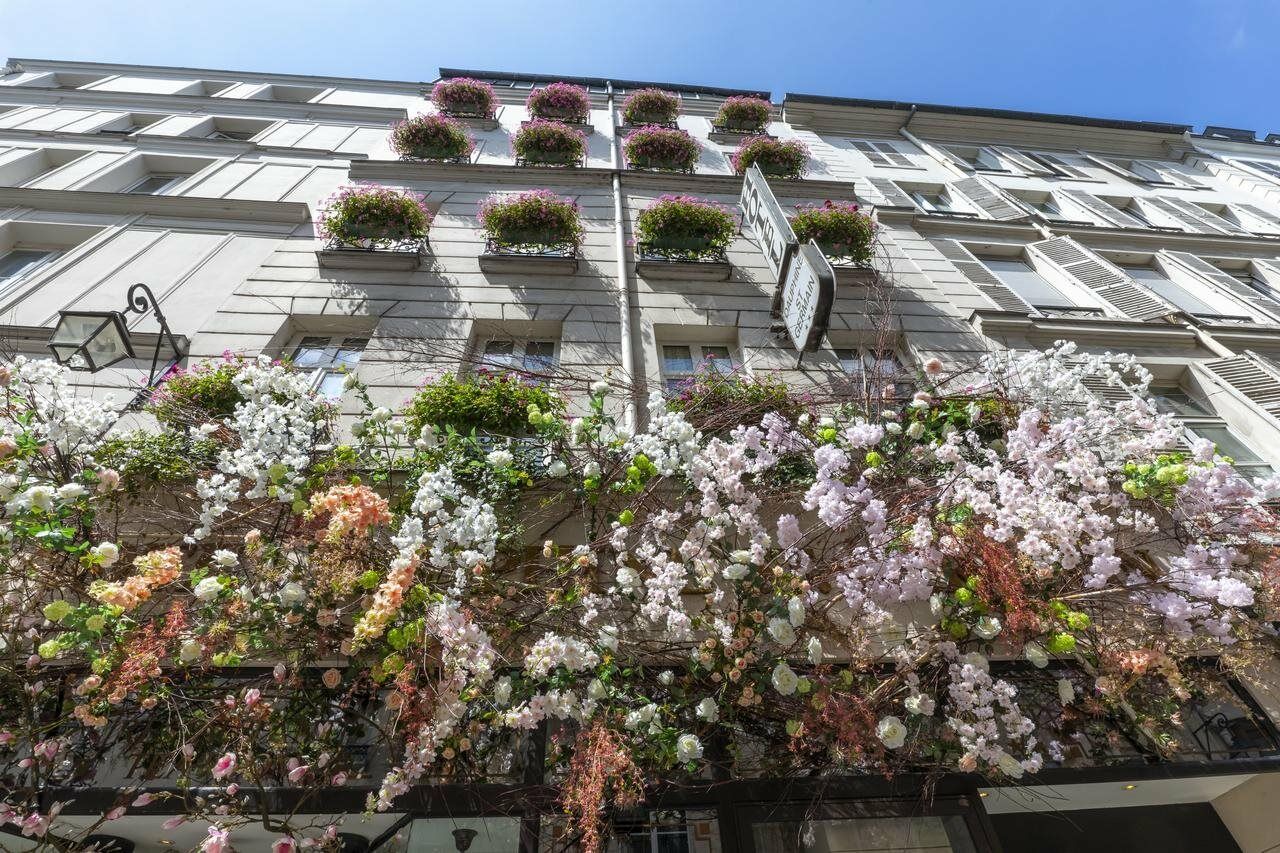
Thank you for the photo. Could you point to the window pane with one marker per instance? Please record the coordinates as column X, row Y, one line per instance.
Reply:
column 331, row 384
column 1229, row 444
column 676, row 360
column 850, row 360
column 312, row 352
column 18, row 261
column 717, row 359
column 152, row 185
column 1172, row 291
column 1023, row 280
column 539, row 356
column 1175, row 401
column 350, row 350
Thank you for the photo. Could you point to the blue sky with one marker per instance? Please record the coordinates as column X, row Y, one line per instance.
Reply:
column 1189, row 61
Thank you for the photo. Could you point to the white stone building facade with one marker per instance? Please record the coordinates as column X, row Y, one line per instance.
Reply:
column 998, row 230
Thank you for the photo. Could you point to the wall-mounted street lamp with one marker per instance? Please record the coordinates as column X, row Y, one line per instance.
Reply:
column 92, row 340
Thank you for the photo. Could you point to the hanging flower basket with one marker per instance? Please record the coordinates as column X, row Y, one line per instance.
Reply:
column 651, row 107
column 742, row 114
column 370, row 218
column 432, row 138
column 779, row 159
column 549, row 143
column 462, row 97
column 661, row 149
column 689, row 232
column 561, row 102
column 843, row 232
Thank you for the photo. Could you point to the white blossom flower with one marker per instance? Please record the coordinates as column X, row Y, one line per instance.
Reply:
column 600, row 386
column 688, row 748
column 784, row 679
column 225, row 559
column 502, row 691
column 708, row 710
column 1035, row 653
column 189, row 651
column 1066, row 691
column 596, row 689
column 795, row 611
column 987, row 627
column 919, row 703
column 107, row 552
column 558, row 469
column 1009, row 765
column 815, row 651
column 71, row 491
column 208, row 588
column 499, row 458
column 292, row 594
column 891, row 731
column 781, row 631
column 666, row 676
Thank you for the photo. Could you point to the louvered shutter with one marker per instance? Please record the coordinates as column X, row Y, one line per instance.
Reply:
column 1102, row 278
column 1258, row 384
column 954, row 158
column 890, row 192
column 1271, row 223
column 1195, row 217
column 1104, row 390
column 1265, row 308
column 990, row 199
column 976, row 272
column 1059, row 166
column 1022, row 161
column 1171, row 175
column 1267, row 167
column 1109, row 213
column 1114, row 167
column 882, row 153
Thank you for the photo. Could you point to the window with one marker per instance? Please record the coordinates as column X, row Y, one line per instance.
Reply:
column 875, row 374
column 1020, row 277
column 939, row 201
column 1048, row 207
column 154, row 184
column 535, row 357
column 1175, row 293
column 681, row 362
column 979, row 159
column 1268, row 167
column 882, row 153
column 1253, row 281
column 240, row 129
column 1203, row 421
column 1060, row 165
column 18, row 262
column 331, row 358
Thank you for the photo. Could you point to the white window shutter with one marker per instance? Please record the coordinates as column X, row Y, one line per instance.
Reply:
column 1172, row 175
column 891, row 193
column 1059, row 166
column 954, row 159
column 990, row 199
column 1022, row 161
column 1104, row 390
column 882, row 153
column 1258, row 304
column 977, row 274
column 1271, row 223
column 1113, row 167
column 1255, row 382
column 1109, row 213
column 1193, row 216
column 1074, row 260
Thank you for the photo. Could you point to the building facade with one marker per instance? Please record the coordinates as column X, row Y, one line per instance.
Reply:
column 998, row 231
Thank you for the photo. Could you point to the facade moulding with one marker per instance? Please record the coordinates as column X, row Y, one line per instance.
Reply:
column 161, row 144
column 174, row 206
column 1108, row 332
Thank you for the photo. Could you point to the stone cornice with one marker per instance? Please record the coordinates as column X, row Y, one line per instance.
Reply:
column 173, row 206
column 1100, row 331
column 1140, row 239
column 198, row 105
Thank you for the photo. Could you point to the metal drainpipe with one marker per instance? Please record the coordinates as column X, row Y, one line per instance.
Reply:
column 630, row 418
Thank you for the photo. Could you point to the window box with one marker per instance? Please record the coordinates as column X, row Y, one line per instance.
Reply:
column 684, row 237
column 842, row 231
column 369, row 226
column 661, row 149
column 483, row 123
column 432, row 139
column 657, row 262
column 583, row 127
column 562, row 102
column 472, row 102
column 549, row 143
column 788, row 160
column 530, row 255
column 403, row 256
column 739, row 117
column 651, row 107
column 729, row 136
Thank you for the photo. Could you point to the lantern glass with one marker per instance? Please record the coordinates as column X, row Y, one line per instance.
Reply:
column 91, row 339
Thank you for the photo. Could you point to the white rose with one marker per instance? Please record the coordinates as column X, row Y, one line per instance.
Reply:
column 292, row 594
column 600, row 387
column 785, row 679
column 1066, row 691
column 1035, row 653
column 742, row 555
column 558, row 469
column 632, row 720
column 893, row 428
column 40, row 497
column 920, row 704
column 499, row 459
column 781, row 631
column 71, row 491
column 795, row 611
column 666, row 676
column 596, row 689
column 647, row 712
column 815, row 651
column 502, row 691
column 226, row 559
column 591, row 469
column 380, row 415
column 427, row 438
column 688, row 748
column 608, row 637
column 734, row 572
column 107, row 552
column 189, row 651
column 987, row 627
column 915, row 430
column 892, row 732
column 976, row 660
column 708, row 710
column 208, row 589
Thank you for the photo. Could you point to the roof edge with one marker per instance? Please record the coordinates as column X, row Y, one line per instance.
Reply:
column 263, row 76
column 599, row 81
column 1016, row 115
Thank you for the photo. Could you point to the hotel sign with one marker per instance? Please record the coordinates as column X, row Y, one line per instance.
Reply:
column 805, row 283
